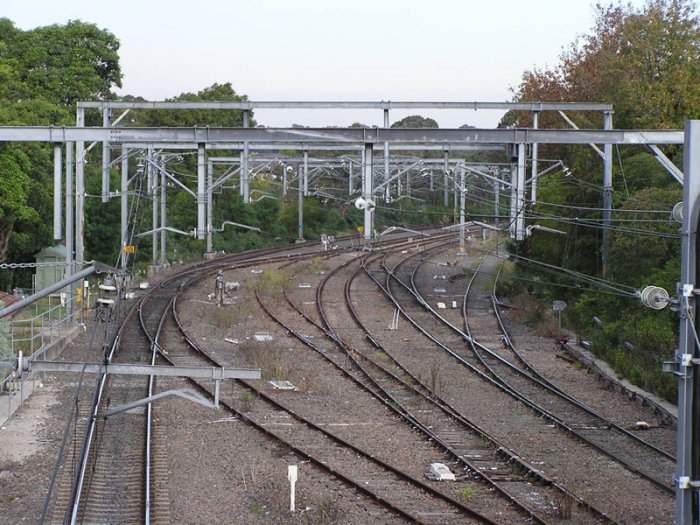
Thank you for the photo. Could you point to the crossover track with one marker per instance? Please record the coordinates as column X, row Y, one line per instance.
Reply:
column 119, row 474
column 481, row 456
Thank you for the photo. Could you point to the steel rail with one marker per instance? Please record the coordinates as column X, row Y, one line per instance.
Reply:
column 449, row 410
column 493, row 377
column 433, row 399
column 391, row 402
column 72, row 510
column 533, row 375
column 316, row 461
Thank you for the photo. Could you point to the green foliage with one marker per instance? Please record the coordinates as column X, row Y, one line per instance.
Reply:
column 415, row 121
column 272, row 281
column 42, row 73
column 645, row 62
column 61, row 64
column 468, row 492
column 634, row 257
column 194, row 117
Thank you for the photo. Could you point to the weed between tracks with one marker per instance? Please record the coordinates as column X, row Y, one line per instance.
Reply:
column 247, row 398
column 268, row 495
column 468, row 492
column 219, row 318
column 271, row 360
column 277, row 364
column 272, row 281
column 315, row 266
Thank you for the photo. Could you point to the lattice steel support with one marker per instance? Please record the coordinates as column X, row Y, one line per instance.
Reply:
column 106, row 155
column 201, row 194
column 80, row 192
column 124, row 203
column 520, row 195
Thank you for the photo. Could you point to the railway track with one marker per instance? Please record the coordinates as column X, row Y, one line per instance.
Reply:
column 493, row 349
column 398, row 491
column 135, row 500
column 323, row 315
column 466, row 445
column 479, row 454
column 416, row 308
column 115, row 470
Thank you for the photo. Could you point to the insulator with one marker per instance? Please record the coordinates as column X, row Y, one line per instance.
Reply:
column 677, row 213
column 653, row 297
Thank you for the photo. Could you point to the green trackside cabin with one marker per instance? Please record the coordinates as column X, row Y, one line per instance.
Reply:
column 51, row 273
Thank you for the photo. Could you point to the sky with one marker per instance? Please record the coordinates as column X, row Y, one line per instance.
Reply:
column 351, row 50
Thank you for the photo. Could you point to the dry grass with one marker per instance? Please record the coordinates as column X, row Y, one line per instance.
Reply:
column 272, row 281
column 269, row 358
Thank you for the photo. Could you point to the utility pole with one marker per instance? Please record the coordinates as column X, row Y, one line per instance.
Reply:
column 607, row 195
column 368, row 189
column 462, row 198
column 686, row 364
column 301, row 202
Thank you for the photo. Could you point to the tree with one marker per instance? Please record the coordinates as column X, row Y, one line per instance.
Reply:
column 633, row 257
column 42, row 73
column 15, row 187
column 646, row 62
column 62, row 64
column 415, row 121
column 196, row 117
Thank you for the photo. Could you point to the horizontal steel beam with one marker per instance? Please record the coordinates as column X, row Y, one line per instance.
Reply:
column 322, row 104
column 197, row 372
column 305, row 146
column 340, row 135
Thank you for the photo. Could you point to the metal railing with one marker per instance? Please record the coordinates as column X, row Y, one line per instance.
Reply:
column 38, row 328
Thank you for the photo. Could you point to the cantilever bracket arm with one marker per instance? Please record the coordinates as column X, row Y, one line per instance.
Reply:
column 392, row 229
column 185, row 393
column 167, row 229
column 223, row 225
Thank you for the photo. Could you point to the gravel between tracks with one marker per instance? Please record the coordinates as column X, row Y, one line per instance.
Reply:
column 223, row 471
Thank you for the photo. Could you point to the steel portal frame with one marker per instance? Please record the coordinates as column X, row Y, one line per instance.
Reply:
column 242, row 138
column 366, row 140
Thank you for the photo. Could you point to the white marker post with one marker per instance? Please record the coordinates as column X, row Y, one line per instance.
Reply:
column 292, row 471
